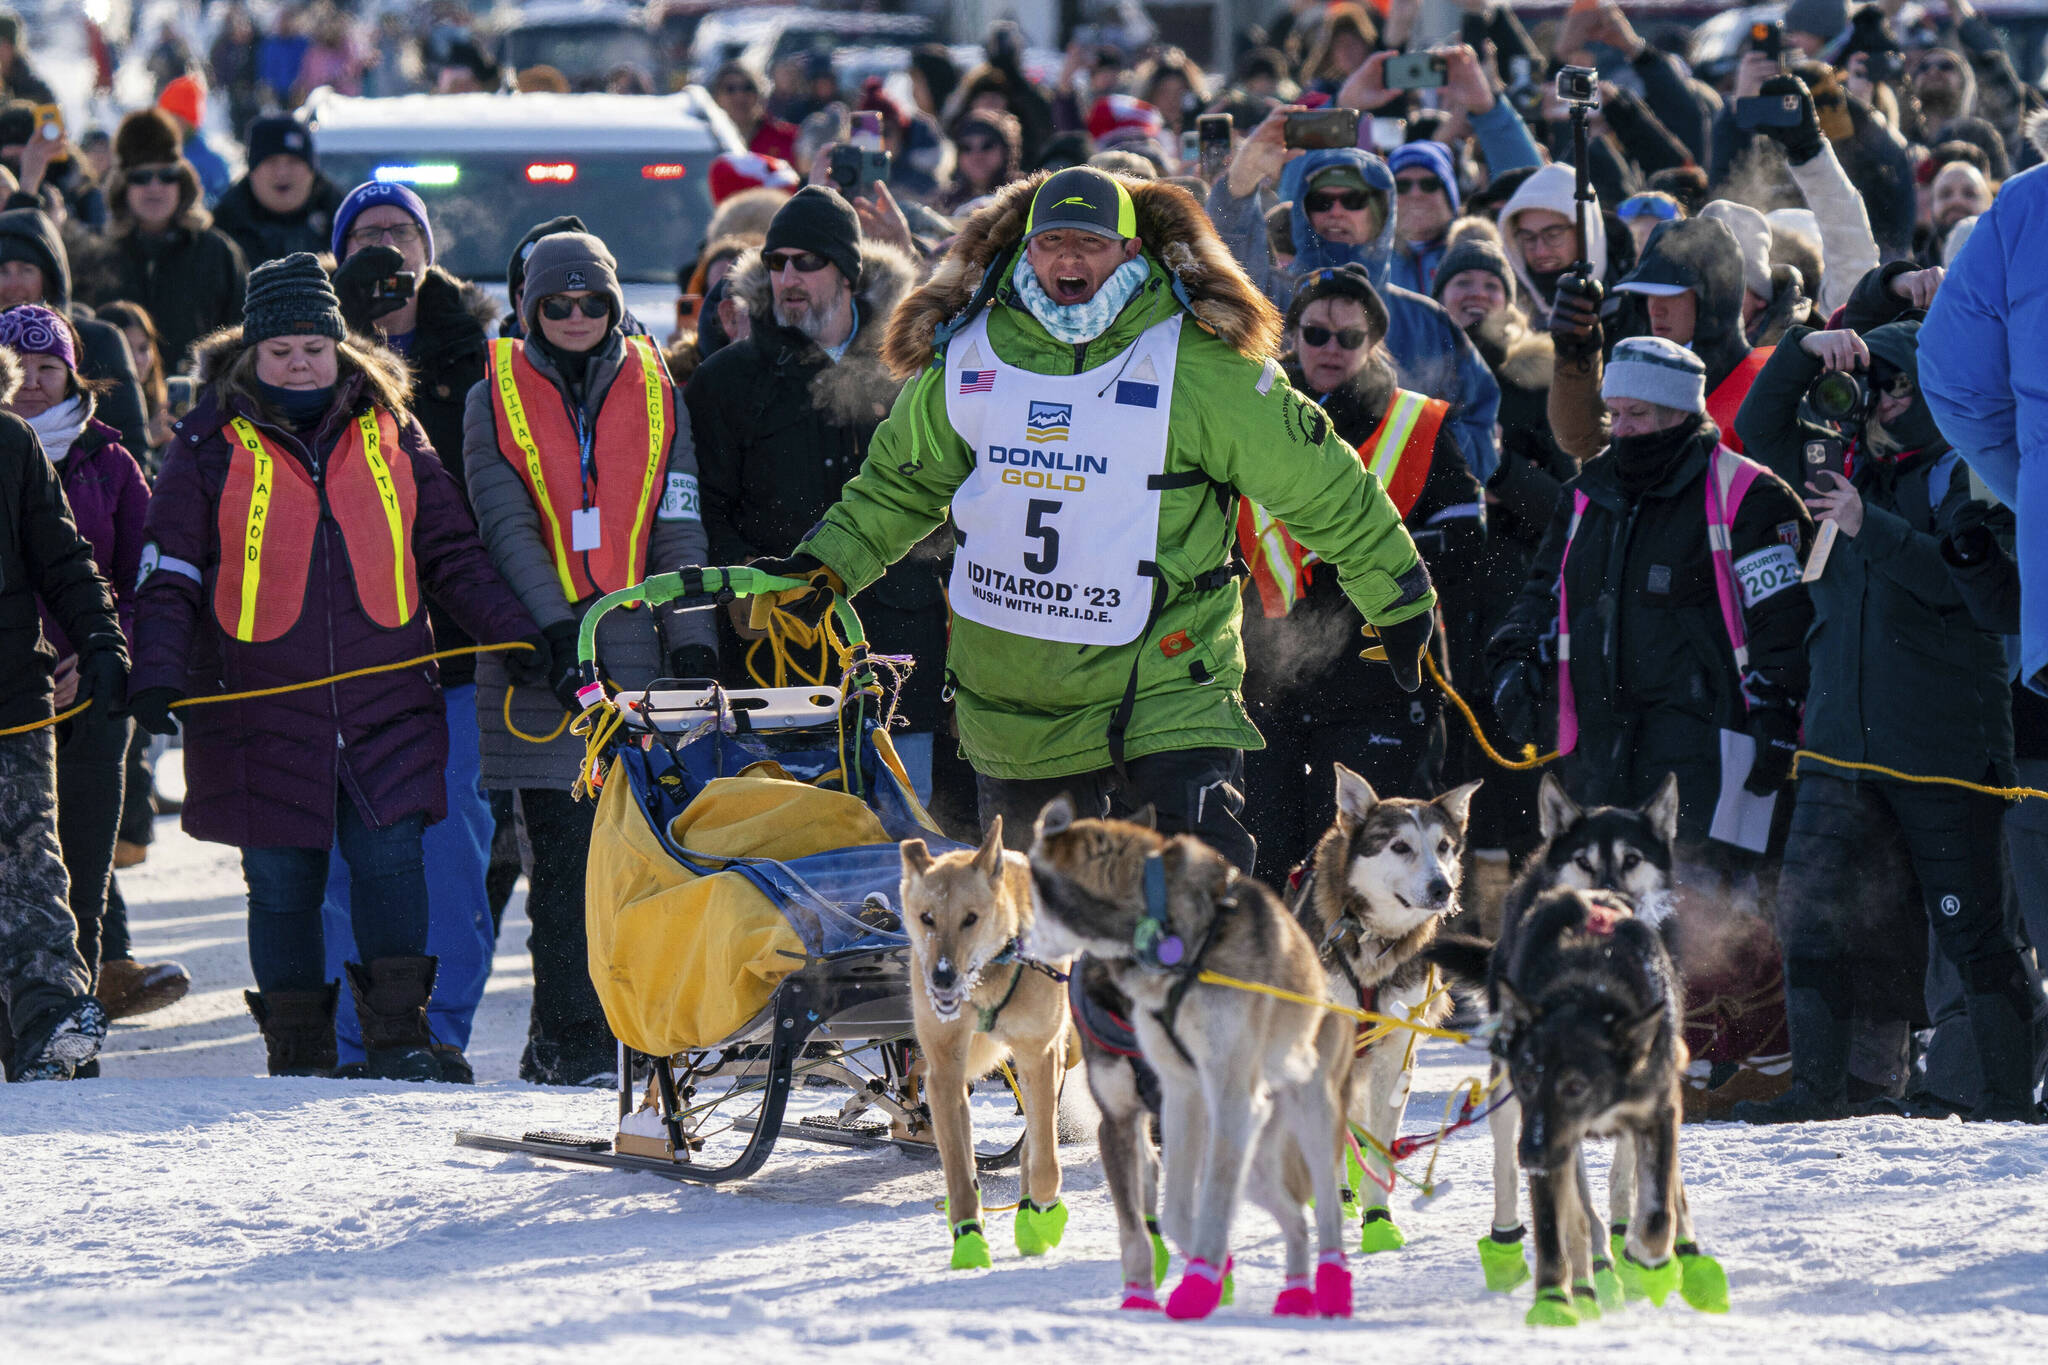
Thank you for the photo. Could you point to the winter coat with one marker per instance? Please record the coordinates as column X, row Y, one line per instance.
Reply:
column 42, row 556
column 1430, row 353
column 1578, row 418
column 1980, row 368
column 190, row 278
column 448, row 358
column 1551, row 188
column 265, row 773
column 1310, row 656
column 1875, row 159
column 631, row 647
column 105, row 351
column 1902, row 674
column 1848, row 251
column 109, row 500
column 214, row 176
column 780, row 428
column 1652, row 669
column 1031, row 708
column 265, row 236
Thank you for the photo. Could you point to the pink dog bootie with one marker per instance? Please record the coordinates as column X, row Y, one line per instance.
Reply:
column 1296, row 1300
column 1199, row 1291
column 1139, row 1298
column 1333, row 1286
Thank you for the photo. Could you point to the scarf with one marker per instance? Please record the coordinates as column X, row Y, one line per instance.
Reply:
column 1643, row 462
column 58, row 425
column 1075, row 323
column 300, row 408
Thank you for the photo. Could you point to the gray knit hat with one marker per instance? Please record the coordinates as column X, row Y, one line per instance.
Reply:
column 291, row 297
column 1656, row 370
column 1474, row 251
column 562, row 261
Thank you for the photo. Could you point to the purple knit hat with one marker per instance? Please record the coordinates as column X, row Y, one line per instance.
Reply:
column 31, row 329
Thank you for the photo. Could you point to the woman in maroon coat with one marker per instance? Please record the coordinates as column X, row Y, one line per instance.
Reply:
column 298, row 518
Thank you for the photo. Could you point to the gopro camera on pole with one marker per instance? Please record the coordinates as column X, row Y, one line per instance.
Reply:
column 1579, row 91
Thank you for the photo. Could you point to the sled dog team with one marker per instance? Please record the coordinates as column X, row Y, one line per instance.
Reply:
column 1261, row 1096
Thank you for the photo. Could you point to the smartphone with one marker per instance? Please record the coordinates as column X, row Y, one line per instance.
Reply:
column 1767, row 111
column 1213, row 133
column 1388, row 133
column 49, row 122
column 867, row 131
column 854, row 170
column 1768, row 38
column 1317, row 129
column 1416, row 71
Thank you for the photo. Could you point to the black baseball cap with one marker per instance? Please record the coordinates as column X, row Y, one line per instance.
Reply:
column 1086, row 200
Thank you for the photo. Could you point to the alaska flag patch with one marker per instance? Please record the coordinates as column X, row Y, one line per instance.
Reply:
column 977, row 381
column 1132, row 394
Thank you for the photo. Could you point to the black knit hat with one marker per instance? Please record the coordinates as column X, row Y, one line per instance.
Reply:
column 817, row 219
column 279, row 135
column 291, row 297
column 1473, row 252
column 1340, row 282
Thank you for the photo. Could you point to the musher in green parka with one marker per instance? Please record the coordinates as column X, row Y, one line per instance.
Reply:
column 1095, row 389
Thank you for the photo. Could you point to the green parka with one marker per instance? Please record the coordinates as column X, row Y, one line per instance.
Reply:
column 1029, row 708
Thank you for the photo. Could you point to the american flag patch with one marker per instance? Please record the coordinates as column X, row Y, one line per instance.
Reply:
column 977, row 381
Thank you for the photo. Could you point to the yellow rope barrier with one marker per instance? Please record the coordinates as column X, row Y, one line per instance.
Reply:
column 2005, row 793
column 1529, row 758
column 57, row 719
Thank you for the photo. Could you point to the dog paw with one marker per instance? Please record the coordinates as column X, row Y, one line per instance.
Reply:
column 1607, row 1287
column 1333, row 1286
column 1380, row 1233
column 1502, row 1262
column 970, row 1248
column 1139, row 1298
column 1199, row 1292
column 1652, row 1282
column 1585, row 1301
column 1297, row 1300
column 1704, row 1284
column 1161, row 1257
column 1553, row 1308
column 1039, row 1230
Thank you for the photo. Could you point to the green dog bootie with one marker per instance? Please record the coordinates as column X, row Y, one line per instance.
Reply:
column 1607, row 1287
column 1161, row 1257
column 1229, row 1284
column 1585, row 1301
column 1039, row 1229
column 970, row 1247
column 1652, row 1282
column 1704, row 1283
column 1379, row 1233
column 1500, row 1257
column 1553, row 1308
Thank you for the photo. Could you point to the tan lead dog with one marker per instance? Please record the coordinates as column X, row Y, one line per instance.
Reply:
column 963, row 912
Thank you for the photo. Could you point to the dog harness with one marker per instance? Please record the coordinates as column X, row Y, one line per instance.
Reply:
column 1729, row 479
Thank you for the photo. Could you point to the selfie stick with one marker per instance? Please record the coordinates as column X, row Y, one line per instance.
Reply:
column 1582, row 188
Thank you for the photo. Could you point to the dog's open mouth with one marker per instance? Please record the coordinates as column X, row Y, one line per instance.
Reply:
column 947, row 1002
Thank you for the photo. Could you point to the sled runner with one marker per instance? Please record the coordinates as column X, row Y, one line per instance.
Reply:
column 741, row 901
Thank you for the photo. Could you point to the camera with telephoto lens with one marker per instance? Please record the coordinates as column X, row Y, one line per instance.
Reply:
column 1579, row 85
column 1845, row 398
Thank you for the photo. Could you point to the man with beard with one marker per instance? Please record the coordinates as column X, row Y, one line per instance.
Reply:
column 1959, row 191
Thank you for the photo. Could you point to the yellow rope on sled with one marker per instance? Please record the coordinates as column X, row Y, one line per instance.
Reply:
column 1209, row 978
column 1529, row 758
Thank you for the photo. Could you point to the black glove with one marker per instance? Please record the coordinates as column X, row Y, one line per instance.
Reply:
column 1517, row 699
column 1400, row 647
column 693, row 661
column 1575, row 314
column 565, row 675
column 1802, row 141
column 103, row 681
column 151, row 708
column 1969, row 540
column 356, row 281
column 808, row 605
column 530, row 667
column 1776, row 733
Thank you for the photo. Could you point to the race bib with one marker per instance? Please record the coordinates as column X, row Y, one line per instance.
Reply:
column 679, row 499
column 1766, row 573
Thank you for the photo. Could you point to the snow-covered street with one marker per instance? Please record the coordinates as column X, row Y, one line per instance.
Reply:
column 186, row 1209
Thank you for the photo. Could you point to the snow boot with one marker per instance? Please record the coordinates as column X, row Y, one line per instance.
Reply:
column 455, row 1068
column 1997, row 998
column 298, row 1029
column 59, row 1040
column 1820, row 1029
column 391, row 1004
column 128, row 988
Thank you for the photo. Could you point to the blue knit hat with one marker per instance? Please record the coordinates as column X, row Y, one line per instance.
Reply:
column 368, row 196
column 1433, row 157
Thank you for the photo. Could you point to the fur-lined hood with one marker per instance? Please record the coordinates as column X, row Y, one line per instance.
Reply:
column 366, row 369
column 1518, row 354
column 858, row 388
column 1176, row 232
column 886, row 274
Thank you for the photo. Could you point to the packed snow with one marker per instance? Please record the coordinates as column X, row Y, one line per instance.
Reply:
column 185, row 1208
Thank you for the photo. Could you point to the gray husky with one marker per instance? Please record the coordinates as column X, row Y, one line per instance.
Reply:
column 1372, row 895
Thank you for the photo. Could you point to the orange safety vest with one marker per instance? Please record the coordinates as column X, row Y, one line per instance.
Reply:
column 1726, row 399
column 629, row 454
column 269, row 516
column 1401, row 450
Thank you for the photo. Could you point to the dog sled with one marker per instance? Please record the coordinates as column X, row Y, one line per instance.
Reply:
column 745, row 936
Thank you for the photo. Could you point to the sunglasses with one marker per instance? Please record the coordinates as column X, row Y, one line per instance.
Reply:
column 807, row 262
column 1418, row 184
column 153, row 175
column 1349, row 338
column 1643, row 206
column 1322, row 201
column 560, row 307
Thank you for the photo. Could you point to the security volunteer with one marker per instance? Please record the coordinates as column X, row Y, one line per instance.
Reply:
column 299, row 519
column 1095, row 395
column 581, row 471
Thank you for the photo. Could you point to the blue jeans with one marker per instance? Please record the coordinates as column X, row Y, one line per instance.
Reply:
column 286, row 948
column 459, row 929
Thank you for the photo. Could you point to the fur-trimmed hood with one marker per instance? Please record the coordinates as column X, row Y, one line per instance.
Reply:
column 859, row 388
column 1517, row 353
column 1176, row 232
column 366, row 370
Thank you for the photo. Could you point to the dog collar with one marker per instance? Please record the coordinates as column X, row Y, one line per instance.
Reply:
column 1154, row 942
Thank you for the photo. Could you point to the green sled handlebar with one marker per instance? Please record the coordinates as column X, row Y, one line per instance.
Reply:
column 739, row 581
